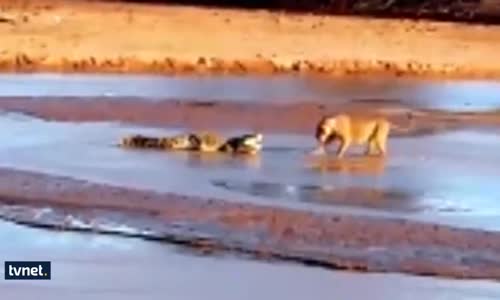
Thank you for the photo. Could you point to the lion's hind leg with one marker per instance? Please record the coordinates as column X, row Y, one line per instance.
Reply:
column 372, row 146
column 381, row 137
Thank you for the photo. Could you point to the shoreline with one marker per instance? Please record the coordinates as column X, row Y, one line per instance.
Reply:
column 242, row 67
column 68, row 37
column 333, row 241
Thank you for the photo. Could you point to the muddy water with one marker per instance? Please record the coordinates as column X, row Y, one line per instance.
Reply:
column 416, row 181
column 450, row 95
column 105, row 267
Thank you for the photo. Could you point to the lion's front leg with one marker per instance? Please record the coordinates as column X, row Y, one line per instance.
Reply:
column 344, row 145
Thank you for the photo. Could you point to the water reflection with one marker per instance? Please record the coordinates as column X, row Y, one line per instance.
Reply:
column 450, row 95
column 459, row 95
column 351, row 196
column 216, row 159
column 354, row 164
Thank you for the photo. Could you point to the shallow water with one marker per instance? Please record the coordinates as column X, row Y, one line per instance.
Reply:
column 415, row 181
column 458, row 95
column 105, row 267
column 452, row 183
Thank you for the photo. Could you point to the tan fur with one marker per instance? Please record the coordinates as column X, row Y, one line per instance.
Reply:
column 244, row 144
column 207, row 142
column 354, row 130
column 178, row 142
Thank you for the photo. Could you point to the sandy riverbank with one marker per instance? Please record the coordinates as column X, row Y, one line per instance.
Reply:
column 76, row 36
column 212, row 225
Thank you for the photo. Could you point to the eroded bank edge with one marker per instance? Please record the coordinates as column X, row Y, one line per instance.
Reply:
column 329, row 240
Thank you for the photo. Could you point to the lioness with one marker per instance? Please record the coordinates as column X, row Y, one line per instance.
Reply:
column 357, row 130
column 244, row 144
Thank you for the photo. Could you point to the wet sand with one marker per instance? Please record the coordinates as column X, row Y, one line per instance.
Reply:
column 212, row 225
column 82, row 36
column 300, row 117
column 105, row 267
